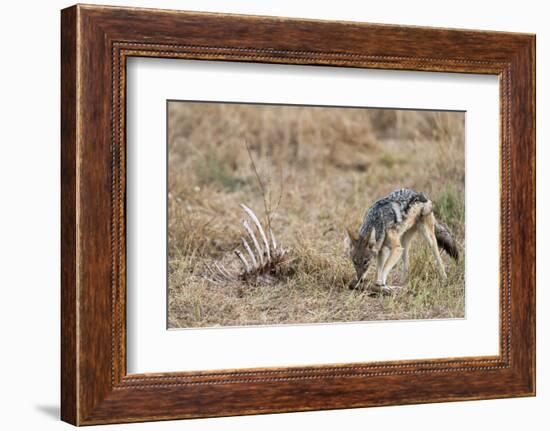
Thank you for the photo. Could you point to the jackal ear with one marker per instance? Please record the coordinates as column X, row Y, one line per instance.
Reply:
column 352, row 235
column 350, row 240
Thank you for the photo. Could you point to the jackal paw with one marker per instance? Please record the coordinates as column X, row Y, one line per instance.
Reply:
column 355, row 285
column 384, row 289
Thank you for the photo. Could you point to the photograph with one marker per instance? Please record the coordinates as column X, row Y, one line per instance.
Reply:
column 294, row 214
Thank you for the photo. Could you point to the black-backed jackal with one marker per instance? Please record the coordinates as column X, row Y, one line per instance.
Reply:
column 386, row 233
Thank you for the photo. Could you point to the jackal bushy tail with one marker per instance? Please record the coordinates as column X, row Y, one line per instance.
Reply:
column 446, row 241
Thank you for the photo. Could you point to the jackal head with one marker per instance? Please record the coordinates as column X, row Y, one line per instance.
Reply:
column 360, row 251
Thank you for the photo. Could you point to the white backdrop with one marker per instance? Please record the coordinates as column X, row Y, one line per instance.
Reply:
column 29, row 216
column 151, row 348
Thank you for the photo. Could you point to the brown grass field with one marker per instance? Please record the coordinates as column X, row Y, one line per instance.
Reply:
column 322, row 168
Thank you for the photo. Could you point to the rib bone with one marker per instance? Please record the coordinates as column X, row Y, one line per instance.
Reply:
column 225, row 272
column 254, row 240
column 249, row 250
column 243, row 260
column 273, row 240
column 259, row 226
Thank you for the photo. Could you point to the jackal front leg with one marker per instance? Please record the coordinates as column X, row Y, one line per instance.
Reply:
column 406, row 240
column 381, row 259
column 390, row 259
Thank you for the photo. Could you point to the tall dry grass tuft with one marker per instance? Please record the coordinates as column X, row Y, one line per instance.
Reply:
column 333, row 162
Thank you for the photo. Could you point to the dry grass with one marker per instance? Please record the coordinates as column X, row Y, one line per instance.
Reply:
column 332, row 164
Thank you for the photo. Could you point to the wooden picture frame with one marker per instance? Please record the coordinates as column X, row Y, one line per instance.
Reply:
column 95, row 43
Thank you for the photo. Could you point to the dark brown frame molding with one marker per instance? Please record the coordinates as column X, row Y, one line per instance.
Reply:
column 95, row 43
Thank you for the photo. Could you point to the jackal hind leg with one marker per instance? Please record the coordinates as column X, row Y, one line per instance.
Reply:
column 427, row 228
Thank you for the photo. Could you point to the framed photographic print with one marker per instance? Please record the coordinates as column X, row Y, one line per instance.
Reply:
column 264, row 214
